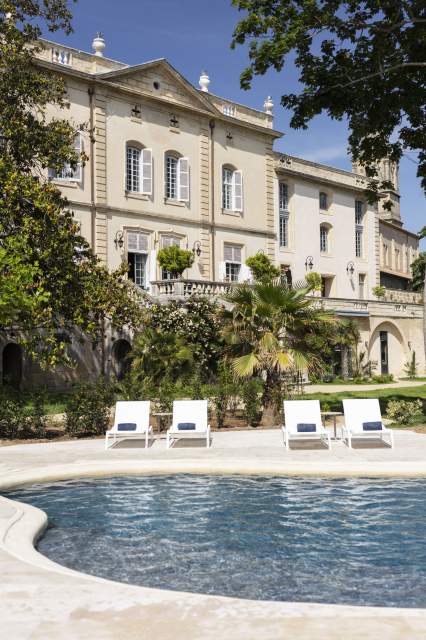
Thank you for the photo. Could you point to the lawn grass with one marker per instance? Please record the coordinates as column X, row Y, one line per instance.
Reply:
column 334, row 399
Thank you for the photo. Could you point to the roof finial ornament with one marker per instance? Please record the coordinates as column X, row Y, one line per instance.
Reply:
column 99, row 45
column 268, row 105
column 204, row 81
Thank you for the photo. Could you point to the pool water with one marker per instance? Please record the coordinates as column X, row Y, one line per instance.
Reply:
column 356, row 542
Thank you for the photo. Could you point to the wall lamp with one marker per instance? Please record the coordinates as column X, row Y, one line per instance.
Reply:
column 309, row 263
column 350, row 268
column 119, row 240
column 196, row 248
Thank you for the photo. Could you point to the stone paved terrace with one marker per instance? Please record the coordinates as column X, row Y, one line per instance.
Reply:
column 39, row 599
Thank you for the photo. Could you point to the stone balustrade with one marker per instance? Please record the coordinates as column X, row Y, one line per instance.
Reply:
column 185, row 288
column 61, row 56
column 396, row 295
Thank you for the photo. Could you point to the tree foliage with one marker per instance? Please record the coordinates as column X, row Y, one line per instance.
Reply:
column 262, row 268
column 364, row 61
column 175, row 260
column 51, row 283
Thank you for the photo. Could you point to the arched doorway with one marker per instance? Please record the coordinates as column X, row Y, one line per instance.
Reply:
column 120, row 351
column 12, row 365
column 387, row 349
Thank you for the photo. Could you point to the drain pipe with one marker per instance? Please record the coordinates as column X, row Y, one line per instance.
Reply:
column 212, row 212
column 91, row 93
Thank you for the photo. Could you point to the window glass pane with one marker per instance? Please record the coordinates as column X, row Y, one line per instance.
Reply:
column 323, row 239
column 227, row 182
column 359, row 211
column 232, row 271
column 283, row 230
column 171, row 177
column 283, row 196
column 137, row 268
column 133, row 169
column 323, row 201
column 232, row 253
column 358, row 243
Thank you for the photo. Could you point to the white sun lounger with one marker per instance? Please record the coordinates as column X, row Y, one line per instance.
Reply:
column 192, row 412
column 298, row 414
column 137, row 413
column 358, row 412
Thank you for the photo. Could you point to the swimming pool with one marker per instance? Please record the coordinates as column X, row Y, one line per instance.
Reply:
column 354, row 541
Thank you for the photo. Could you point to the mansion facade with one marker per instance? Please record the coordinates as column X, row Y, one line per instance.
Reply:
column 169, row 163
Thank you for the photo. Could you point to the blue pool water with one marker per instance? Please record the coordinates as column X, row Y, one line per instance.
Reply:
column 308, row 540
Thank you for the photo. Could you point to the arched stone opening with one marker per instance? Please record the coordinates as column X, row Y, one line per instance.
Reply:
column 388, row 350
column 12, row 361
column 120, row 352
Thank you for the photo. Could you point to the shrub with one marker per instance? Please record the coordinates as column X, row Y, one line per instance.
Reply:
column 222, row 393
column 252, row 402
column 314, row 280
column 410, row 367
column 383, row 378
column 405, row 411
column 379, row 291
column 175, row 260
column 88, row 409
column 262, row 268
column 22, row 417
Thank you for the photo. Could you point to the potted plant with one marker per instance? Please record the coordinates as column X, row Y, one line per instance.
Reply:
column 175, row 260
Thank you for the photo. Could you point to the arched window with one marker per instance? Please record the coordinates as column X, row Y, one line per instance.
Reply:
column 232, row 189
column 138, row 169
column 323, row 201
column 324, row 238
column 176, row 177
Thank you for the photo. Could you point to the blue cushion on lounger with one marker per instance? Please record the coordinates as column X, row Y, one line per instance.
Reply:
column 186, row 426
column 306, row 428
column 126, row 426
column 372, row 426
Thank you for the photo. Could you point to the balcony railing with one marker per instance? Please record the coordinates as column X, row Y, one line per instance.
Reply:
column 61, row 56
column 186, row 288
column 397, row 295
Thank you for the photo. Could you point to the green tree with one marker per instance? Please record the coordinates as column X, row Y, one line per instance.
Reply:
column 357, row 61
column 262, row 268
column 175, row 260
column 314, row 280
column 419, row 281
column 347, row 337
column 46, row 266
column 267, row 332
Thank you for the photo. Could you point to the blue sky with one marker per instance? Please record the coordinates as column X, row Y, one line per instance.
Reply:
column 195, row 35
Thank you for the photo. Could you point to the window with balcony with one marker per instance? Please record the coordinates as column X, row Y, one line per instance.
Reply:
column 137, row 257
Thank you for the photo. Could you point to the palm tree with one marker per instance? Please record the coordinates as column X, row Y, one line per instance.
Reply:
column 268, row 331
column 159, row 356
column 346, row 336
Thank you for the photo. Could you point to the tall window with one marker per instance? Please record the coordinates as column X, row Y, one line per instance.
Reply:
column 68, row 173
column 137, row 256
column 284, row 214
column 168, row 241
column 361, row 286
column 323, row 201
column 232, row 189
column 324, row 239
column 359, row 230
column 133, row 160
column 177, row 178
column 138, row 170
column 232, row 255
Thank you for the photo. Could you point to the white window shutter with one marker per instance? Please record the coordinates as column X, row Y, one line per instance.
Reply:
column 183, row 179
column 78, row 145
column 146, row 171
column 237, row 179
column 222, row 271
column 245, row 274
